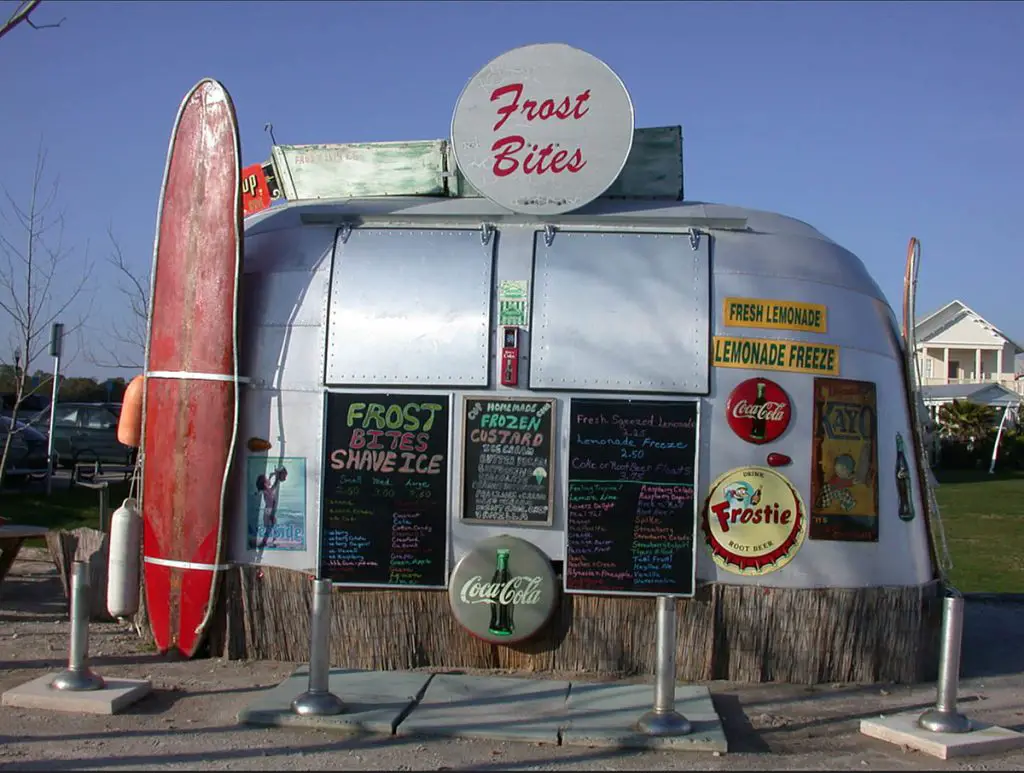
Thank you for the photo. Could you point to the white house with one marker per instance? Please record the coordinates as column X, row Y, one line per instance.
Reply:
column 957, row 346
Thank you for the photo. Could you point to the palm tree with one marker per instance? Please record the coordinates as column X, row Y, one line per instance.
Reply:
column 966, row 422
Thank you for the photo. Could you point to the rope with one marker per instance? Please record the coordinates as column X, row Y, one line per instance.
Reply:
column 939, row 542
column 133, row 487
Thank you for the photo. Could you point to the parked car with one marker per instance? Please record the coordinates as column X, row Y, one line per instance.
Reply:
column 27, row 455
column 84, row 433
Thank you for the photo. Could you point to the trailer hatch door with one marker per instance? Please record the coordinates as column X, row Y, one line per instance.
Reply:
column 410, row 307
column 621, row 312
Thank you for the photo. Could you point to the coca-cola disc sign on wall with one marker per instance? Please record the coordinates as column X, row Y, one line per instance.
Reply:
column 758, row 410
column 503, row 590
column 543, row 129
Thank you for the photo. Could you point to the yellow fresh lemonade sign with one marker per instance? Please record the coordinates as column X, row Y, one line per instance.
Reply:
column 771, row 354
column 775, row 315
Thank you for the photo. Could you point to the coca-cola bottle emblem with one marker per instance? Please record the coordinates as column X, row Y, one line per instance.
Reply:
column 758, row 410
column 502, row 608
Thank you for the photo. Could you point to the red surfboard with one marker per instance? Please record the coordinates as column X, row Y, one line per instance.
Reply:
column 190, row 398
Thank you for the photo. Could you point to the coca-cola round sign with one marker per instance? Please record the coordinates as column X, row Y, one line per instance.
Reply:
column 543, row 129
column 758, row 410
column 503, row 590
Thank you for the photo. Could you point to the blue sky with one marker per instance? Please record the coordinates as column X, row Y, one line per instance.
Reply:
column 871, row 121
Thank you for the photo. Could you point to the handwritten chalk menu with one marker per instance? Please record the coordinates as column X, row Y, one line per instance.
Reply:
column 506, row 461
column 631, row 511
column 385, row 486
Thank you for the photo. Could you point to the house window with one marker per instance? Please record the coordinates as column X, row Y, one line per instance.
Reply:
column 954, row 369
column 928, row 363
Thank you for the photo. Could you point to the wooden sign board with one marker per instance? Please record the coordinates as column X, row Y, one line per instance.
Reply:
column 654, row 169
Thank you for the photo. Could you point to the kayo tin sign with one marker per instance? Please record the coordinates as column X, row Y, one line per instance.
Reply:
column 543, row 129
column 503, row 590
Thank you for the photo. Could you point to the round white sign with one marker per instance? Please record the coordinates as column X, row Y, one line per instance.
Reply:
column 503, row 590
column 543, row 129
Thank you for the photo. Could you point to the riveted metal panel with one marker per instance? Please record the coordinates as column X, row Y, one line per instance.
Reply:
column 621, row 312
column 410, row 307
column 286, row 298
column 286, row 358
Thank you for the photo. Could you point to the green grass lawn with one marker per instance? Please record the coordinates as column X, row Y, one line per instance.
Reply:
column 65, row 508
column 984, row 520
column 983, row 516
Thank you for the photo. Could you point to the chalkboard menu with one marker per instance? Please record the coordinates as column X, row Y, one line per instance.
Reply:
column 506, row 461
column 385, row 486
column 631, row 518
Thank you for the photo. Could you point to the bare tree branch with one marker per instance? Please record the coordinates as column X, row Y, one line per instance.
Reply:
column 124, row 343
column 23, row 14
column 28, row 279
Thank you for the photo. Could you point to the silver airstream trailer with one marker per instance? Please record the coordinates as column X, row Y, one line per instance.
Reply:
column 503, row 411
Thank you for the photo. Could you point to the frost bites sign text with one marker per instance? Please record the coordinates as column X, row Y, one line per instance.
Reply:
column 543, row 129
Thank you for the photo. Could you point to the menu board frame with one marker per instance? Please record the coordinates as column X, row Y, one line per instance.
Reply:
column 448, row 400
column 553, row 467
column 697, row 403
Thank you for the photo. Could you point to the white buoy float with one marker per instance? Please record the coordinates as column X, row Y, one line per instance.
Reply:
column 123, row 562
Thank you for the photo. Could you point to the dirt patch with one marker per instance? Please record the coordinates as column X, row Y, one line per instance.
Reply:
column 189, row 721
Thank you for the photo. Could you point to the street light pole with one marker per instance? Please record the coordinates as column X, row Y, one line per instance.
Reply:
column 56, row 344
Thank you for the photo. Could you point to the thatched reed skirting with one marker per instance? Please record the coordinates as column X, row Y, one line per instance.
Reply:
column 739, row 633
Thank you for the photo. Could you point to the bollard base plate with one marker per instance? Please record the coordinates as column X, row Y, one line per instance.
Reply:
column 944, row 722
column 318, row 704
column 664, row 723
column 116, row 696
column 904, row 730
column 78, row 680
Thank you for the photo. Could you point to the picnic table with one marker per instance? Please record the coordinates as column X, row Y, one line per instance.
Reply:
column 12, row 536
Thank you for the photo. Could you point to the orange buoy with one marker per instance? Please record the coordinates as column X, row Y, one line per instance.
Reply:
column 129, row 424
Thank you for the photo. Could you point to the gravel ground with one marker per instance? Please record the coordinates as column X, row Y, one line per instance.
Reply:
column 188, row 722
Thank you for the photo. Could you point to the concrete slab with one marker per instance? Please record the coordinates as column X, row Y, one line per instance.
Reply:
column 902, row 729
column 493, row 707
column 376, row 701
column 118, row 695
column 606, row 715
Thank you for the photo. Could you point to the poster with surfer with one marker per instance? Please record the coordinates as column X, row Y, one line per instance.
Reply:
column 276, row 503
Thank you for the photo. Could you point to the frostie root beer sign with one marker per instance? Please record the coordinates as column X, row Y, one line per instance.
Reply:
column 543, row 129
column 754, row 521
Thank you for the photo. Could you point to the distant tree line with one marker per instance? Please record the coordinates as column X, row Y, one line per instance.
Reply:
column 73, row 389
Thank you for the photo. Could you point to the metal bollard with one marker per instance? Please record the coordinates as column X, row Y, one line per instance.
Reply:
column 944, row 718
column 663, row 719
column 318, row 700
column 78, row 677
column 104, row 506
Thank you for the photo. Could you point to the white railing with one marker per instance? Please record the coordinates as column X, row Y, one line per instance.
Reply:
column 1014, row 385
